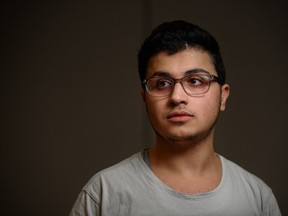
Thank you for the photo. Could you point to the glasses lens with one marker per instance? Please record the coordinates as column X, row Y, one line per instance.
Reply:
column 159, row 86
column 197, row 83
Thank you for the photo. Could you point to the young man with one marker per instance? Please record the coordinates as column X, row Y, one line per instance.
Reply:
column 184, row 90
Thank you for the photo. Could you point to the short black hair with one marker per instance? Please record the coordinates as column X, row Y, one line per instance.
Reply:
column 176, row 36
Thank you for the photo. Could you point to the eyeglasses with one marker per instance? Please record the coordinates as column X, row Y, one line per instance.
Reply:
column 196, row 83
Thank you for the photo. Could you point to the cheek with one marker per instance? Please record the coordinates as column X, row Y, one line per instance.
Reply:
column 155, row 111
column 209, row 107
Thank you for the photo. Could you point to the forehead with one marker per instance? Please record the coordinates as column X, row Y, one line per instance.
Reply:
column 177, row 64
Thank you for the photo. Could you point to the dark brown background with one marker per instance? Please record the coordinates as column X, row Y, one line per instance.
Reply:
column 70, row 95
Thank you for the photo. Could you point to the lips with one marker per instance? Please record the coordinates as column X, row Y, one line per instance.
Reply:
column 179, row 116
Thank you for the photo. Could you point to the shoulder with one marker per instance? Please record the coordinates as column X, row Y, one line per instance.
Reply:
column 105, row 186
column 114, row 177
column 239, row 174
column 254, row 189
column 252, row 186
column 125, row 168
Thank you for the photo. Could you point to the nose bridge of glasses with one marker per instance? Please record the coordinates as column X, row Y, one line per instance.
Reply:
column 181, row 86
column 179, row 81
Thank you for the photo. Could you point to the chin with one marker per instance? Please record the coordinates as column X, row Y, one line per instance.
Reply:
column 184, row 138
column 179, row 137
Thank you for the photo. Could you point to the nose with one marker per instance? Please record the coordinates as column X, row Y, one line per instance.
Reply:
column 178, row 95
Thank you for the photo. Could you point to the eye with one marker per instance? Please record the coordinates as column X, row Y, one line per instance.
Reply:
column 195, row 80
column 163, row 83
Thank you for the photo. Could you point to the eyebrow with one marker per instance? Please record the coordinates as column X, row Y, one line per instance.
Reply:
column 195, row 70
column 189, row 72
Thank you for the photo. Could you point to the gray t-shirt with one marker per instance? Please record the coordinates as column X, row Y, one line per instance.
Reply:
column 131, row 188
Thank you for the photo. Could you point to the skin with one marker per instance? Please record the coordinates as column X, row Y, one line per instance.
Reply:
column 183, row 156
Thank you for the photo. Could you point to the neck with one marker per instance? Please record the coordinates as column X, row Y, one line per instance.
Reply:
column 186, row 166
column 185, row 155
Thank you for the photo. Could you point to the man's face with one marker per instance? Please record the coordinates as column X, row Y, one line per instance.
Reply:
column 178, row 116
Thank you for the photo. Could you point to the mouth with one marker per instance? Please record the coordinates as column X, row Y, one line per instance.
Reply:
column 179, row 116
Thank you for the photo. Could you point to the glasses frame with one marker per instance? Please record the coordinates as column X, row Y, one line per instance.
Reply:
column 212, row 78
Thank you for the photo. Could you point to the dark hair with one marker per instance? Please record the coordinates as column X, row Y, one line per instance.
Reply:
column 176, row 36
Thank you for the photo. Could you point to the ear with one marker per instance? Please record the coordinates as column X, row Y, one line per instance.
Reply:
column 225, row 91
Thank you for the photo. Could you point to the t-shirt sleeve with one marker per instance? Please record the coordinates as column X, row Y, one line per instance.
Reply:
column 85, row 205
column 271, row 207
